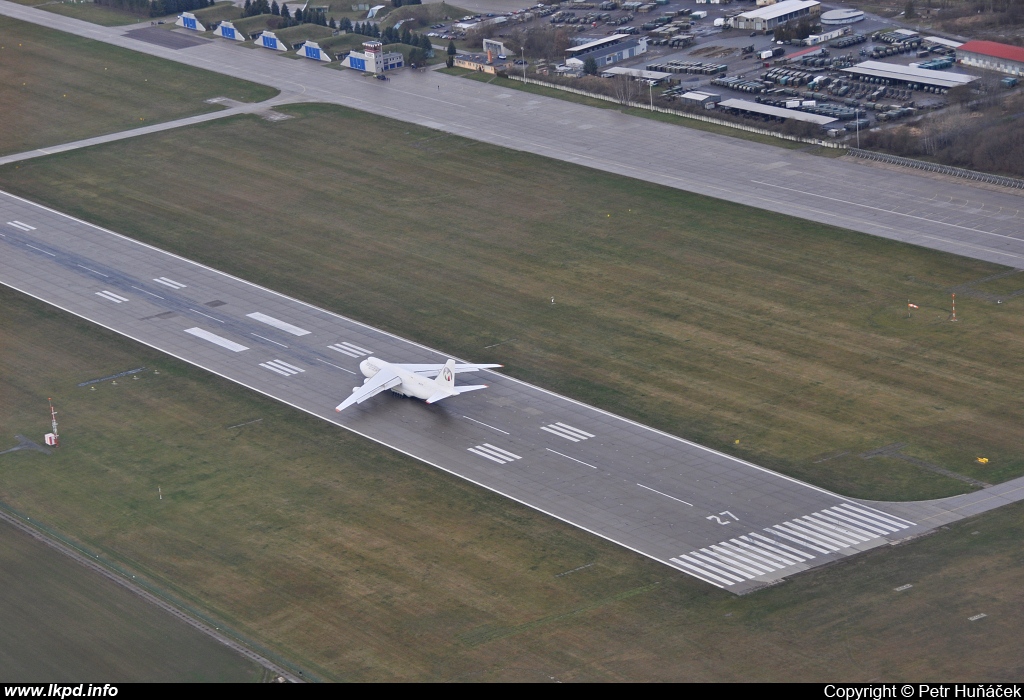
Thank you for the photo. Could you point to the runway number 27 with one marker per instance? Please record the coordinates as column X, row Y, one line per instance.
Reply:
column 718, row 519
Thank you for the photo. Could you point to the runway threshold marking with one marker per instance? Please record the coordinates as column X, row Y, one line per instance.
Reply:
column 349, row 349
column 567, row 431
column 278, row 324
column 665, row 495
column 20, row 225
column 572, row 458
column 495, row 454
column 110, row 296
column 788, row 544
column 216, row 339
column 281, row 367
column 167, row 282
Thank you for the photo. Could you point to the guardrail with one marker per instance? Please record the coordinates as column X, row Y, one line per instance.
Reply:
column 937, row 168
column 676, row 112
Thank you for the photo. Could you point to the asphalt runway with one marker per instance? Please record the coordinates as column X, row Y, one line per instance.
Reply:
column 730, row 523
column 948, row 214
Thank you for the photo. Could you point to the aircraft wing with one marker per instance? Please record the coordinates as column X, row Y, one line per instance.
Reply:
column 433, row 370
column 454, row 392
column 384, row 379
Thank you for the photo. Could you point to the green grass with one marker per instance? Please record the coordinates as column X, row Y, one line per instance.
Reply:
column 361, row 564
column 86, row 88
column 774, row 339
column 64, row 623
column 424, row 15
column 218, row 13
column 91, row 12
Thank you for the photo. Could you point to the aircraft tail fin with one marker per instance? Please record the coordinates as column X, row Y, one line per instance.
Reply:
column 446, row 377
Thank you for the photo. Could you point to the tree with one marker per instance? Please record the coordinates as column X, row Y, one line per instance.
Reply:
column 450, row 61
column 590, row 66
column 451, row 47
column 246, row 9
column 332, row 24
column 415, row 56
column 406, row 36
column 909, row 12
column 285, row 12
column 346, row 24
column 428, row 48
column 274, row 9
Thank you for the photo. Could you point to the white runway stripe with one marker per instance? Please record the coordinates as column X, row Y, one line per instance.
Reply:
column 758, row 557
column 283, row 373
column 858, row 535
column 839, row 519
column 729, row 578
column 575, row 431
column 216, row 339
column 116, row 298
column 703, row 575
column 778, row 560
column 167, row 282
column 784, row 534
column 277, row 323
column 44, row 252
column 875, row 516
column 727, row 554
column 21, row 225
column 717, row 563
column 821, row 531
column 779, row 546
column 555, row 431
column 485, row 455
column 288, row 366
column 809, row 535
column 855, row 517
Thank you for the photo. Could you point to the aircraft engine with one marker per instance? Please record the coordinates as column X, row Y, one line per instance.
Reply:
column 368, row 369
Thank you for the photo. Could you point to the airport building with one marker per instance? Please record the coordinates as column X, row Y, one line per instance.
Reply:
column 485, row 63
column 773, row 15
column 373, row 58
column 842, row 17
column 606, row 53
column 993, row 56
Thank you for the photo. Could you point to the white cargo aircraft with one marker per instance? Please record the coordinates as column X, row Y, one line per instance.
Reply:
column 428, row 382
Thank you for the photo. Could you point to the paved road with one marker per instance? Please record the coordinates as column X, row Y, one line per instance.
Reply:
column 944, row 214
column 725, row 521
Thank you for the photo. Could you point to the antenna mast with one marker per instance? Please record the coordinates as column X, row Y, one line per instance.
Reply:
column 53, row 439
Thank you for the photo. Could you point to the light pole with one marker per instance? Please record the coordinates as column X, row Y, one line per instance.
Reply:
column 524, row 64
column 650, row 84
column 856, row 112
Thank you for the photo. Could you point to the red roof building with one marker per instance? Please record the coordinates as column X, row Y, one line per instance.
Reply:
column 993, row 56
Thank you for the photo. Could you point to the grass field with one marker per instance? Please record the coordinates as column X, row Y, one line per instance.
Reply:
column 712, row 321
column 87, row 88
column 360, row 564
column 63, row 624
column 91, row 12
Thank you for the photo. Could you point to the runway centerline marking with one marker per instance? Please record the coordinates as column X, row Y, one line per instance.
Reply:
column 485, row 425
column 168, row 282
column 52, row 255
column 93, row 271
column 207, row 315
column 145, row 292
column 572, row 458
column 269, row 340
column 335, row 366
column 665, row 495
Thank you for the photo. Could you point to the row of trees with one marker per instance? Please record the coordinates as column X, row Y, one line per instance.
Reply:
column 399, row 3
column 794, row 31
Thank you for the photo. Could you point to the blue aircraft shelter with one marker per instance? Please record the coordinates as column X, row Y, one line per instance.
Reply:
column 227, row 32
column 312, row 53
column 268, row 41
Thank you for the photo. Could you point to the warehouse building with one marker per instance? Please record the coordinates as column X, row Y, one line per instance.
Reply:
column 773, row 15
column 993, row 56
column 847, row 16
column 770, row 112
column 922, row 78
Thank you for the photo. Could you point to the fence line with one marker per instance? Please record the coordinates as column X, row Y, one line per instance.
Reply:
column 937, row 168
column 678, row 113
